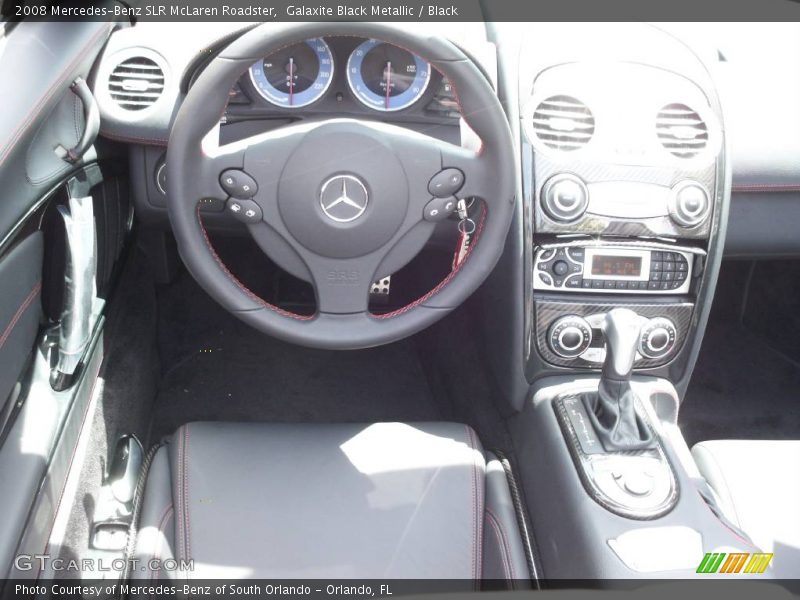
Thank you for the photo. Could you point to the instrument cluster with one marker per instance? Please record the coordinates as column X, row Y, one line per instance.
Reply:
column 348, row 74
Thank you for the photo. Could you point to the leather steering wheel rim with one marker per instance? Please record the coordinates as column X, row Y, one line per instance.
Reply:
column 193, row 174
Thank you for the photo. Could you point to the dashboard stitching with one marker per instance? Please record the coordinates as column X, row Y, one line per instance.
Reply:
column 766, row 187
column 129, row 138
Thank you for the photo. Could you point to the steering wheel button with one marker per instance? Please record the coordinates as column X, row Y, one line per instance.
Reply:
column 439, row 209
column 446, row 183
column 238, row 184
column 245, row 211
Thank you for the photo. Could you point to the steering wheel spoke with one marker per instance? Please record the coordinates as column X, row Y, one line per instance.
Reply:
column 464, row 174
column 342, row 286
column 202, row 181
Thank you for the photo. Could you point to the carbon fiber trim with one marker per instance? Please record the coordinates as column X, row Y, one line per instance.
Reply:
column 545, row 167
column 548, row 311
column 583, row 464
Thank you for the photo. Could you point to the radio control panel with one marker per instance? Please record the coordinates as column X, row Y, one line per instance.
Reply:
column 608, row 269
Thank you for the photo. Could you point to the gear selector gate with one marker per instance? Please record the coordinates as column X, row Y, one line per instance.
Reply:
column 620, row 460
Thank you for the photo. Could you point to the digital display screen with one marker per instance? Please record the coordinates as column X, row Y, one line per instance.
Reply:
column 618, row 266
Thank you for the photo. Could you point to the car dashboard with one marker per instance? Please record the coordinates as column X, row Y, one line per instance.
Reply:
column 624, row 173
column 333, row 77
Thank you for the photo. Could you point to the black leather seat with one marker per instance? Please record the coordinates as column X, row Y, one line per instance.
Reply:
column 757, row 484
column 387, row 500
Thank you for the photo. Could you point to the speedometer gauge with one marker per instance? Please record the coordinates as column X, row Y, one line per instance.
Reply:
column 294, row 76
column 385, row 77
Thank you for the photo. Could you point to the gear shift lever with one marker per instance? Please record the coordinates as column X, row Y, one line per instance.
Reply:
column 621, row 330
column 613, row 409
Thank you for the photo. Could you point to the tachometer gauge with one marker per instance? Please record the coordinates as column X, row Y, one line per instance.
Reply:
column 296, row 75
column 385, row 77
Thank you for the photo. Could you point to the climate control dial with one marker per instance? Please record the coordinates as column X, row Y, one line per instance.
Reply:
column 657, row 338
column 570, row 336
column 564, row 197
column 689, row 204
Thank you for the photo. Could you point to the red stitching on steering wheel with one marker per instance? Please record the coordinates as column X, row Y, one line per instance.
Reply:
column 444, row 281
column 252, row 295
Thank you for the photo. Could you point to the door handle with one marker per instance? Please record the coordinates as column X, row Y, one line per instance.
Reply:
column 92, row 119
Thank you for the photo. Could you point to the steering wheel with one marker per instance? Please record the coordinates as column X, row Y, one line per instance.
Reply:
column 340, row 202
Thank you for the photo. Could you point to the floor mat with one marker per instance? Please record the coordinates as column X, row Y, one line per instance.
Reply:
column 741, row 388
column 217, row 368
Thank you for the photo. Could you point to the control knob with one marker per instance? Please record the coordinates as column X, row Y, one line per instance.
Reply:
column 689, row 204
column 564, row 197
column 570, row 336
column 657, row 338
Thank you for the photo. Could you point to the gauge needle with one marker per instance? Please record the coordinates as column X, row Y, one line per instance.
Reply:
column 388, row 81
column 291, row 81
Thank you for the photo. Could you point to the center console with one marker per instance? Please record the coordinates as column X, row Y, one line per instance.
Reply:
column 625, row 188
column 624, row 181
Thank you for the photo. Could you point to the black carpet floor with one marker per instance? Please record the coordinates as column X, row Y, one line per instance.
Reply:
column 742, row 388
column 217, row 368
column 746, row 384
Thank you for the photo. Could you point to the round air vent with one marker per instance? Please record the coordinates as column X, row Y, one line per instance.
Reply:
column 136, row 83
column 681, row 130
column 563, row 123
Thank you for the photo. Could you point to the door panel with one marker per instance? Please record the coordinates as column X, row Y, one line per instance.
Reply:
column 39, row 61
column 20, row 311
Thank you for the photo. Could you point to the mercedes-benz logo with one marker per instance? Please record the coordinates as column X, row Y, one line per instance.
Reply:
column 343, row 198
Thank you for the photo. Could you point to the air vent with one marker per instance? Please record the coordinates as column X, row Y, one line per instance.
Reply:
column 681, row 131
column 563, row 123
column 136, row 83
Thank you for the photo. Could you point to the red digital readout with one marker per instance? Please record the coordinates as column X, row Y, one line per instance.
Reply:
column 618, row 266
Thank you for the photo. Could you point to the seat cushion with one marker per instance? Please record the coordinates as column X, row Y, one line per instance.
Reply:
column 758, row 486
column 386, row 500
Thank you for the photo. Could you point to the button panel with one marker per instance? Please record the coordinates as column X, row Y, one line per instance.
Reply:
column 246, row 211
column 238, row 184
column 446, row 183
column 439, row 209
column 664, row 325
column 562, row 269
